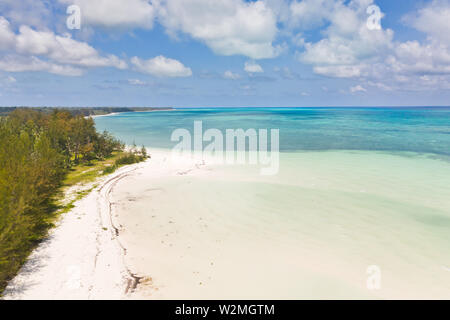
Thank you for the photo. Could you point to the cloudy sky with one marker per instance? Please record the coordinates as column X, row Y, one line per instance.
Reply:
column 225, row 53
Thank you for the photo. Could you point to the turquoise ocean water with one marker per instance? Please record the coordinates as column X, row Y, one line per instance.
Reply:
column 421, row 130
column 356, row 187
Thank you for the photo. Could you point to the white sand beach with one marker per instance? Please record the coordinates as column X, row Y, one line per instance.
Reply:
column 189, row 229
column 94, row 116
column 83, row 257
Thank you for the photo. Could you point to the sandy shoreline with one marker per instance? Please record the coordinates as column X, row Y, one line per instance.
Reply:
column 198, row 230
column 82, row 258
column 116, row 113
column 103, row 115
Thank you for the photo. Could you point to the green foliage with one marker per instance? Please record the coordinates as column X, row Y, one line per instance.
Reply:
column 37, row 151
column 106, row 145
column 110, row 169
column 129, row 157
column 83, row 111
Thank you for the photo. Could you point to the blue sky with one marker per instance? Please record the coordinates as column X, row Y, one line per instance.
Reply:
column 198, row 53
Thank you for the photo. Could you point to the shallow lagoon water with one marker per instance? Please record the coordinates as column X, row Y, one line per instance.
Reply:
column 355, row 188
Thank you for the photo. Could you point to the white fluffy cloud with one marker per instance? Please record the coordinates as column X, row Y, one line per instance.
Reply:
column 411, row 57
column 350, row 50
column 350, row 47
column 17, row 63
column 35, row 13
column 230, row 75
column 342, row 71
column 307, row 14
column 252, row 67
column 431, row 58
column 7, row 37
column 136, row 82
column 62, row 49
column 161, row 66
column 357, row 88
column 32, row 50
column 347, row 49
column 228, row 27
column 434, row 20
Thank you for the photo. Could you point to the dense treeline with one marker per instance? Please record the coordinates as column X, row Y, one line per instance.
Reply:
column 36, row 151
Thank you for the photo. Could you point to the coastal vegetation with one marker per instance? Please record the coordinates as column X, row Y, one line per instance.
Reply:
column 41, row 153
column 84, row 111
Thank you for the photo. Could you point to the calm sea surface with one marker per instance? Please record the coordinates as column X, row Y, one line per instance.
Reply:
column 421, row 130
column 356, row 187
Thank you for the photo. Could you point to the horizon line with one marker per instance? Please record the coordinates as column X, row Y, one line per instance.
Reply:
column 213, row 107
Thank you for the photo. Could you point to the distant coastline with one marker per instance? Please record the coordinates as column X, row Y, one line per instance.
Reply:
column 87, row 111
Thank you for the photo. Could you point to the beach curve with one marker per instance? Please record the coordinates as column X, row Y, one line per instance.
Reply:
column 82, row 258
